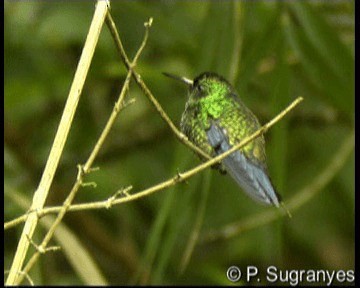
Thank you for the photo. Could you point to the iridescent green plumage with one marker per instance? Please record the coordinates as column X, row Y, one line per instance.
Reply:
column 215, row 119
column 217, row 100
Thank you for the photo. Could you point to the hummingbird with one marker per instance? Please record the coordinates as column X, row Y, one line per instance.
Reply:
column 215, row 119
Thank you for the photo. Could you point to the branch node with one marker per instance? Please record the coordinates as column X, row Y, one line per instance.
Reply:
column 40, row 248
column 26, row 275
column 109, row 202
column 148, row 23
column 132, row 65
column 81, row 173
column 179, row 177
column 124, row 191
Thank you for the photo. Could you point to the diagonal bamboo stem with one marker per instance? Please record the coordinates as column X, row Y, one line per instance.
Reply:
column 42, row 191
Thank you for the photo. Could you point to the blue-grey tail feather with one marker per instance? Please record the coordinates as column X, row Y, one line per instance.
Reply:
column 249, row 175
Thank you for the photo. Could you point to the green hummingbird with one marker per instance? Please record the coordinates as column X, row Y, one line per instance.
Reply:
column 215, row 119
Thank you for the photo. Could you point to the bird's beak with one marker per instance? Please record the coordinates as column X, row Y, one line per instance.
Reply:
column 182, row 79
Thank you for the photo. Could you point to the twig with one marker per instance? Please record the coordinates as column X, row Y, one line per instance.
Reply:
column 182, row 138
column 297, row 201
column 42, row 191
column 179, row 177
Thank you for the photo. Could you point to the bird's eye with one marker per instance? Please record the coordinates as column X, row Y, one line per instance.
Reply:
column 200, row 88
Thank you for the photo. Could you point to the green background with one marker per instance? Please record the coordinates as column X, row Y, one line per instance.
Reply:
column 285, row 50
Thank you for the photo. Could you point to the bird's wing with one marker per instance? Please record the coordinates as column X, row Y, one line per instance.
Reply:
column 249, row 175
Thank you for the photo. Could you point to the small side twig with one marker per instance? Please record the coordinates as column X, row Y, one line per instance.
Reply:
column 111, row 200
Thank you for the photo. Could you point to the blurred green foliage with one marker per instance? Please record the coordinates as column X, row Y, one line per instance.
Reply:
column 287, row 49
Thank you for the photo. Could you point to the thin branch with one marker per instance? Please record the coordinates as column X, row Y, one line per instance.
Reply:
column 42, row 191
column 86, row 168
column 298, row 200
column 182, row 138
column 180, row 177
